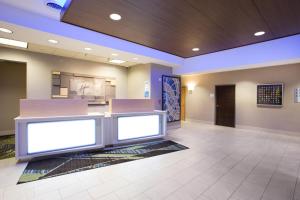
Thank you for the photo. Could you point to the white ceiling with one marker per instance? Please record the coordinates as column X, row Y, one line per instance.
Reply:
column 38, row 42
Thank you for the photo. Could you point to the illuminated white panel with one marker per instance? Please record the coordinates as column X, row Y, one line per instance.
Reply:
column 138, row 126
column 49, row 136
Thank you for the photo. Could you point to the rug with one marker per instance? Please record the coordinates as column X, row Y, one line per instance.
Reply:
column 76, row 162
column 7, row 146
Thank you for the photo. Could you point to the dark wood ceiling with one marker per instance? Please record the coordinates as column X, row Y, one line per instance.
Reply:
column 177, row 26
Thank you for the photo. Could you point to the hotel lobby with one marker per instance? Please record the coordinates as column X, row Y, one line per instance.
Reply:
column 149, row 100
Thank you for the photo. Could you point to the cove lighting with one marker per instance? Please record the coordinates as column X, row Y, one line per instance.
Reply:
column 116, row 61
column 115, row 17
column 114, row 54
column 259, row 33
column 195, row 49
column 61, row 2
column 14, row 43
column 50, row 136
column 138, row 127
column 53, row 41
column 54, row 5
column 5, row 30
column 135, row 58
column 87, row 49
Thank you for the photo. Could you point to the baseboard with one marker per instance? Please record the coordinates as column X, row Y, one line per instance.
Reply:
column 173, row 125
column 199, row 121
column 8, row 132
column 277, row 131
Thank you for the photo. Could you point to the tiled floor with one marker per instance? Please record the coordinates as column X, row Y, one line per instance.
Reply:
column 222, row 163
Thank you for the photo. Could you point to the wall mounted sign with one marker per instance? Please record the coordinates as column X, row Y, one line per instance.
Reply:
column 97, row 90
column 171, row 88
column 297, row 95
column 270, row 94
column 147, row 90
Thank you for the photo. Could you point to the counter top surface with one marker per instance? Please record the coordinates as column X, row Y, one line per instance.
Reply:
column 136, row 113
column 89, row 115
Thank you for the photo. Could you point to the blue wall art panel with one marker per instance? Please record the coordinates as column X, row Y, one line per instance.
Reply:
column 171, row 86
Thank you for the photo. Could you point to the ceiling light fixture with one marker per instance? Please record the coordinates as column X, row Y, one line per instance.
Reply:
column 53, row 41
column 115, row 17
column 135, row 58
column 114, row 54
column 195, row 49
column 5, row 30
column 259, row 33
column 87, row 49
column 116, row 61
column 14, row 43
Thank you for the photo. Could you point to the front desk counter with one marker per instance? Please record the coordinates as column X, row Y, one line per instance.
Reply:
column 44, row 136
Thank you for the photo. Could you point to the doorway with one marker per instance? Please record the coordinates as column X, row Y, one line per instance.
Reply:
column 12, row 89
column 225, row 105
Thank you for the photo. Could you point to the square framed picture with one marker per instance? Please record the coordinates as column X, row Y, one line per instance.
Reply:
column 270, row 94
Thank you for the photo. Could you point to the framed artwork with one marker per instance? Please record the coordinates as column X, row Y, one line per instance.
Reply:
column 297, row 95
column 270, row 95
column 97, row 90
column 171, row 88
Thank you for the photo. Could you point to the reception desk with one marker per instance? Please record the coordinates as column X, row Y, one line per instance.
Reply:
column 40, row 131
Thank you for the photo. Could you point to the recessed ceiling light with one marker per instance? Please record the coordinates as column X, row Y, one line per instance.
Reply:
column 114, row 54
column 87, row 49
column 14, row 43
column 195, row 49
column 259, row 33
column 135, row 58
column 53, row 41
column 116, row 61
column 5, row 30
column 115, row 17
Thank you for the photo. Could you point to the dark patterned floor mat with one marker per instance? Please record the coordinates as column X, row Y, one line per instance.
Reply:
column 56, row 166
column 7, row 146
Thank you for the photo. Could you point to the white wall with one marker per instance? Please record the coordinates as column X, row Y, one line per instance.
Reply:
column 156, row 83
column 40, row 66
column 137, row 75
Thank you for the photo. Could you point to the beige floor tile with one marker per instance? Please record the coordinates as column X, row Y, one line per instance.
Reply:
column 107, row 187
column 162, row 190
column 55, row 195
column 84, row 195
column 248, row 191
column 111, row 196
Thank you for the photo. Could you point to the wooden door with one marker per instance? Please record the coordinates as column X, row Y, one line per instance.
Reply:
column 225, row 105
column 183, row 95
